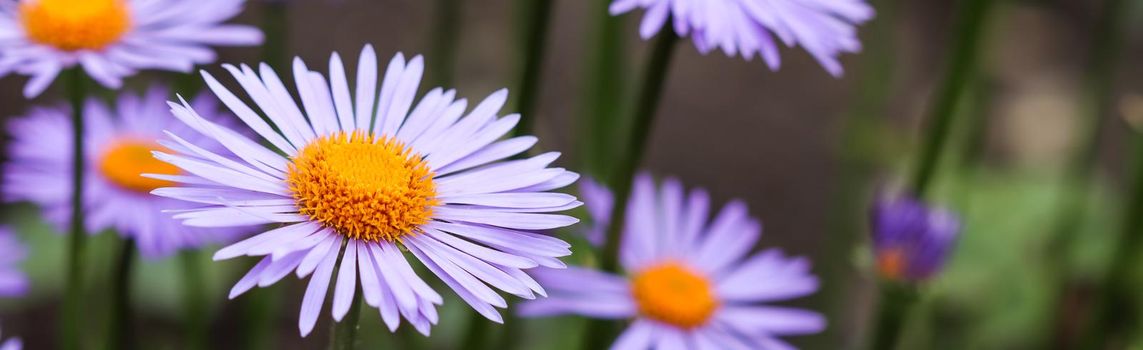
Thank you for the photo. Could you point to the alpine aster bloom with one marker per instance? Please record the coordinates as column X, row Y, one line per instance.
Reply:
column 689, row 283
column 13, row 282
column 113, row 39
column 911, row 240
column 119, row 143
column 824, row 28
column 357, row 179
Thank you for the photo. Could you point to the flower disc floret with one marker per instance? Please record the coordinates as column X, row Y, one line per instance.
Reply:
column 365, row 187
column 125, row 162
column 73, row 25
column 674, row 294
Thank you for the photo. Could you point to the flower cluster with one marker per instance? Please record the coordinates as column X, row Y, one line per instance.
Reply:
column 364, row 181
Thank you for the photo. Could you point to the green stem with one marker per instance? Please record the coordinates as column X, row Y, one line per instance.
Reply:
column 345, row 332
column 643, row 120
column 897, row 299
column 275, row 25
column 858, row 161
column 73, row 302
column 535, row 15
column 895, row 302
column 195, row 300
column 603, row 92
column 121, row 315
column 510, row 330
column 260, row 305
column 1072, row 207
column 1115, row 317
column 343, row 335
column 445, row 33
column 258, row 315
column 476, row 336
column 960, row 70
column 599, row 334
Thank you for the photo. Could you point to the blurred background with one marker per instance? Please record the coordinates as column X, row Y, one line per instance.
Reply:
column 804, row 150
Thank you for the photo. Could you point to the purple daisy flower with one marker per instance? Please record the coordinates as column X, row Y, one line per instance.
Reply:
column 362, row 178
column 113, row 39
column 911, row 241
column 824, row 28
column 689, row 283
column 119, row 145
column 13, row 282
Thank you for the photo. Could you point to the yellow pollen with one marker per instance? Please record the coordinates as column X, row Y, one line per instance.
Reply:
column 674, row 294
column 73, row 25
column 364, row 187
column 124, row 163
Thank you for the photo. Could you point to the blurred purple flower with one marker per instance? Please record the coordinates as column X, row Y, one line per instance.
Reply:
column 12, row 344
column 689, row 281
column 13, row 281
column 824, row 28
column 599, row 201
column 374, row 174
column 119, row 143
column 911, row 241
column 112, row 39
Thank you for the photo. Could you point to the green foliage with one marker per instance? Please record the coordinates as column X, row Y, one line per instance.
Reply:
column 998, row 291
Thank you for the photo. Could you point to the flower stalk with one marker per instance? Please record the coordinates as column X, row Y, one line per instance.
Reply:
column 194, row 300
column 76, row 251
column 121, row 315
column 600, row 332
column 444, row 38
column 343, row 334
column 535, row 17
column 897, row 298
column 259, row 309
column 642, row 122
column 275, row 23
column 961, row 68
column 603, row 93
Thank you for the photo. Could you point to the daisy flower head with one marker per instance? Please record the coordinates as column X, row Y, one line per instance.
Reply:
column 358, row 180
column 824, row 28
column 112, row 39
column 689, row 283
column 119, row 141
column 911, row 240
column 13, row 281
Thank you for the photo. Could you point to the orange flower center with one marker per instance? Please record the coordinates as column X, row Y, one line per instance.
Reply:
column 124, row 163
column 365, row 187
column 891, row 263
column 674, row 294
column 73, row 25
